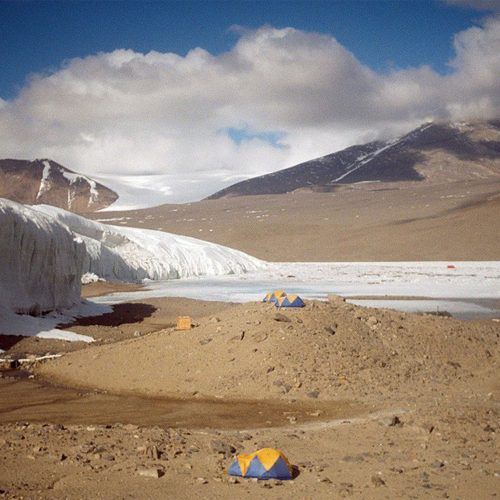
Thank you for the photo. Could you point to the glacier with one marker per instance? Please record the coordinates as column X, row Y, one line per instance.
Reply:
column 46, row 251
column 41, row 261
column 133, row 254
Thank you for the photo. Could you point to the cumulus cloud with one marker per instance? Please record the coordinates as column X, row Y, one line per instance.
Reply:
column 167, row 123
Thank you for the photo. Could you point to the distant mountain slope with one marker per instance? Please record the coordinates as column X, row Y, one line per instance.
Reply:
column 45, row 181
column 435, row 152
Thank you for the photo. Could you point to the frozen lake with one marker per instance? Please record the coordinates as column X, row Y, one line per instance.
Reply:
column 465, row 289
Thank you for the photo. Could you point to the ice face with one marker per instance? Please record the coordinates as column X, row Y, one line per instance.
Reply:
column 41, row 261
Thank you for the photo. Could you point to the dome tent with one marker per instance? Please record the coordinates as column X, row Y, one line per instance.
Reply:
column 273, row 297
column 266, row 463
column 290, row 301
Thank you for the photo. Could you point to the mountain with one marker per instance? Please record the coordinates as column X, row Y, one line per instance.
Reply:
column 45, row 181
column 432, row 152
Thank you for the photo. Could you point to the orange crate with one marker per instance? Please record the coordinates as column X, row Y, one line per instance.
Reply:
column 184, row 323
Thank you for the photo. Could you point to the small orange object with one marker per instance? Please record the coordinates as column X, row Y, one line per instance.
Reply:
column 184, row 323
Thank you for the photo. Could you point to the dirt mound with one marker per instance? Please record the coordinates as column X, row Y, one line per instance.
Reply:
column 327, row 350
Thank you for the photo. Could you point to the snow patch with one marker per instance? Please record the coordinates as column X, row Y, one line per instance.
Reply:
column 90, row 278
column 72, row 178
column 46, row 326
column 44, row 181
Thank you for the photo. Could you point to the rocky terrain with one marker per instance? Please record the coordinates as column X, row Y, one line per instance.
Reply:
column 321, row 351
column 45, row 181
column 365, row 403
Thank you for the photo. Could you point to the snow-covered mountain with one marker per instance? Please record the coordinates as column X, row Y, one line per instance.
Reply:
column 45, row 181
column 44, row 251
column 432, row 152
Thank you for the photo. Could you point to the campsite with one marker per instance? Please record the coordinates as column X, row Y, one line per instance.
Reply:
column 363, row 402
column 249, row 249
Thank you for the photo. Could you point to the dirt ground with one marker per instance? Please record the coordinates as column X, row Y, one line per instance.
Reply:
column 407, row 221
column 365, row 403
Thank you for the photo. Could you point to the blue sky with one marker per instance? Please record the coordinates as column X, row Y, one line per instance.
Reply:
column 171, row 101
column 37, row 36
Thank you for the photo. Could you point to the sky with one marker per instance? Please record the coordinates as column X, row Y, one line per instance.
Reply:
column 172, row 101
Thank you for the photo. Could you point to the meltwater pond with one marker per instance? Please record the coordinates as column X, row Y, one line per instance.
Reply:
column 464, row 289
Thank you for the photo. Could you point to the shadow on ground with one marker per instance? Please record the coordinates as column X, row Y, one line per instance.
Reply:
column 121, row 314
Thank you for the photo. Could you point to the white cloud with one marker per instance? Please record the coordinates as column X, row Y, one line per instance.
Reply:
column 159, row 116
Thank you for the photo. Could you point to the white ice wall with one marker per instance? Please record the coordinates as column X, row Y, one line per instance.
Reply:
column 40, row 261
column 132, row 254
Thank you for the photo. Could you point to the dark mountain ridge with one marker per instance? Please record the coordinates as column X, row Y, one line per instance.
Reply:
column 407, row 158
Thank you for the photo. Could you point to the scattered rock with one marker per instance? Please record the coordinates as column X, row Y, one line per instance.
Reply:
column 153, row 472
column 377, row 481
column 222, row 448
column 152, row 452
column 336, row 300
column 392, row 421
column 437, row 464
column 281, row 318
column 313, row 394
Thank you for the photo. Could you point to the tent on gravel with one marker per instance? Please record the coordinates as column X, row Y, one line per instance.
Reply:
column 266, row 463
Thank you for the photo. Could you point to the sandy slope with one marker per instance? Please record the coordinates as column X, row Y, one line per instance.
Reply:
column 363, row 222
column 428, row 386
column 323, row 351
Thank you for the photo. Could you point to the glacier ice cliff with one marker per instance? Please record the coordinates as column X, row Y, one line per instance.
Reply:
column 41, row 261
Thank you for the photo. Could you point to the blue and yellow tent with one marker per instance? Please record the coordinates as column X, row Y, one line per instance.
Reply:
column 273, row 297
column 290, row 301
column 266, row 463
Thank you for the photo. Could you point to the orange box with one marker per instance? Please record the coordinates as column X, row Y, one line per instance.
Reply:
column 184, row 323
